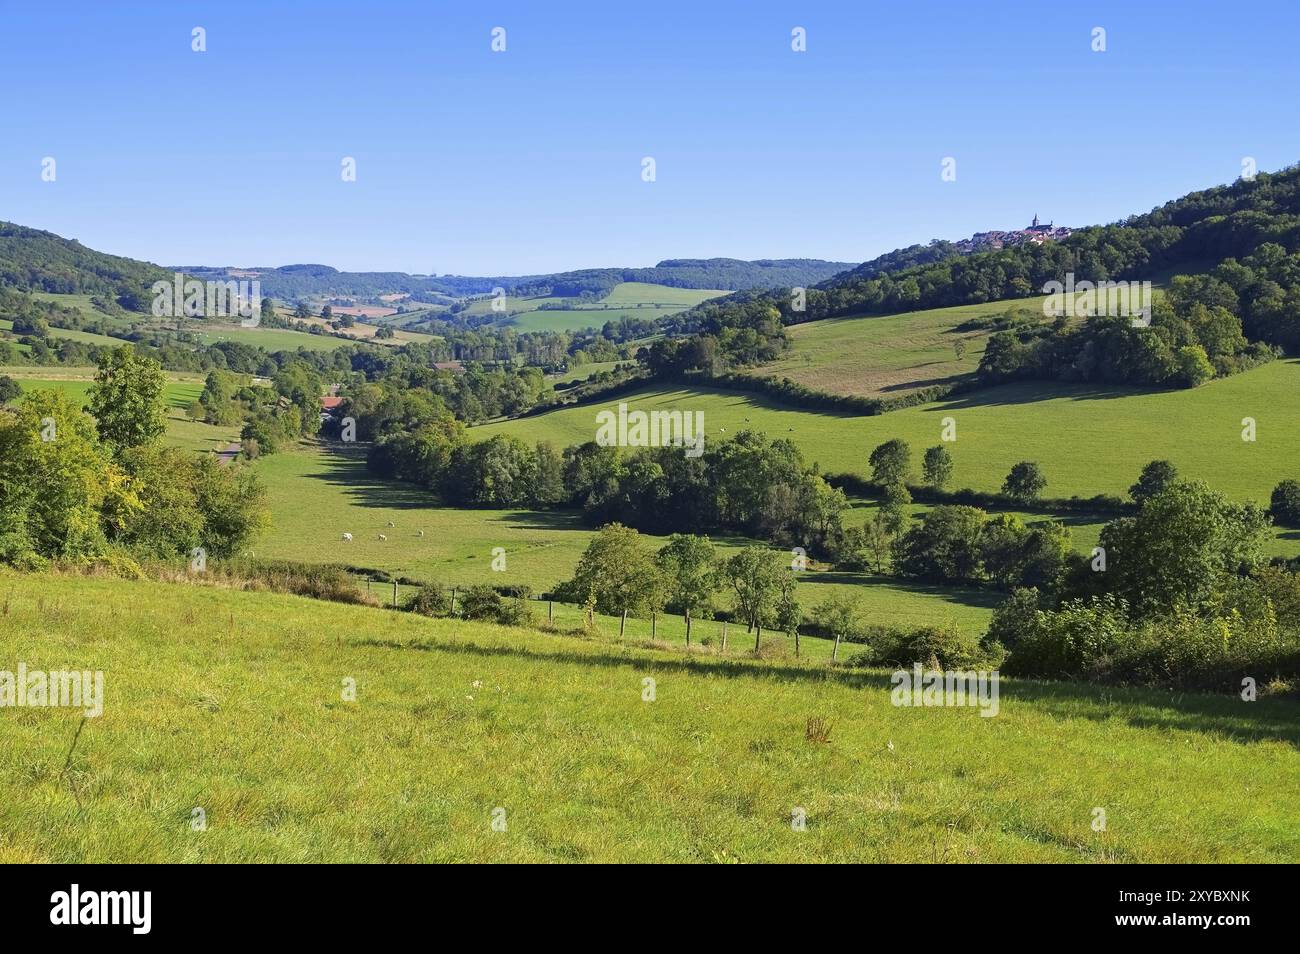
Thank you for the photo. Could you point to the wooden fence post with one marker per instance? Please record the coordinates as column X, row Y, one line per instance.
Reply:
column 622, row 624
column 453, row 601
column 724, row 635
column 394, row 594
column 550, row 611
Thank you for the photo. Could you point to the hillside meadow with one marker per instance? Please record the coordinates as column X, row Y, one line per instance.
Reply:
column 317, row 493
column 228, row 735
column 1087, row 439
column 625, row 300
column 886, row 356
column 182, row 390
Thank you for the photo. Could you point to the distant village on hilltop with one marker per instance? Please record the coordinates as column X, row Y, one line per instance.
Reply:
column 1036, row 232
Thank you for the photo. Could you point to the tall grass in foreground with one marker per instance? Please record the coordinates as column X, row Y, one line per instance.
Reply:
column 236, row 703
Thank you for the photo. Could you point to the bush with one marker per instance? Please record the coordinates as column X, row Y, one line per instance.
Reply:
column 9, row 389
column 481, row 602
column 1285, row 503
column 1013, row 619
column 1095, row 639
column 946, row 646
column 429, row 600
column 318, row 581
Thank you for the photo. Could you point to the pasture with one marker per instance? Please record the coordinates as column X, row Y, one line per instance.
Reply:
column 182, row 390
column 317, row 493
column 625, row 300
column 886, row 356
column 228, row 734
column 1087, row 439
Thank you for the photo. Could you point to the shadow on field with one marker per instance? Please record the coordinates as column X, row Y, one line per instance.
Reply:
column 1001, row 395
column 986, row 599
column 918, row 384
column 346, row 468
column 1223, row 717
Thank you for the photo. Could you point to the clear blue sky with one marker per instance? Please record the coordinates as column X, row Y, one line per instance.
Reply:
column 530, row 160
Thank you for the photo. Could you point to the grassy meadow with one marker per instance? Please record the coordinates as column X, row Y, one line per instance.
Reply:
column 182, row 390
column 233, row 703
column 886, row 356
column 317, row 493
column 625, row 300
column 1087, row 439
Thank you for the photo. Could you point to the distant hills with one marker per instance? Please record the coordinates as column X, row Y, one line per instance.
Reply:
column 32, row 260
column 730, row 274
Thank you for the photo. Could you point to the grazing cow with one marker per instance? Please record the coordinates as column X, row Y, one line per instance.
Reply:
column 391, row 524
column 347, row 537
column 419, row 533
column 382, row 537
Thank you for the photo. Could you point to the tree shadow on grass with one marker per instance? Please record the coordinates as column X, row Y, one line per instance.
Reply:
column 987, row 599
column 917, row 384
column 1003, row 395
column 344, row 466
column 1224, row 717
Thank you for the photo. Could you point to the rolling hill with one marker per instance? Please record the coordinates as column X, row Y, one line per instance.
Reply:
column 235, row 703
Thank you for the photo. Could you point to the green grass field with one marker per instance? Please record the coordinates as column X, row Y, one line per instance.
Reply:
column 233, row 703
column 317, row 494
column 626, row 300
column 886, row 356
column 891, row 355
column 583, row 371
column 272, row 339
column 85, row 337
column 1088, row 440
column 182, row 391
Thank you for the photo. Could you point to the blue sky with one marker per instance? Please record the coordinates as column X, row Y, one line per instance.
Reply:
column 475, row 162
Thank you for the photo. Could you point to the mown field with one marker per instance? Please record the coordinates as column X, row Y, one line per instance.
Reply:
column 1088, row 440
column 317, row 494
column 233, row 703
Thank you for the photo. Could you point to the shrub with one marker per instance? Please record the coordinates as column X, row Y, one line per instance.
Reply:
column 1070, row 642
column 481, row 602
column 1285, row 503
column 1013, row 619
column 429, row 600
column 946, row 646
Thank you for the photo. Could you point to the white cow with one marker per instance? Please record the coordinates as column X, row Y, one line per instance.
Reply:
column 382, row 537
column 347, row 537
column 419, row 533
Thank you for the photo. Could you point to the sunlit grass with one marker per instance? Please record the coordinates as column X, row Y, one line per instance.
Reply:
column 232, row 702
